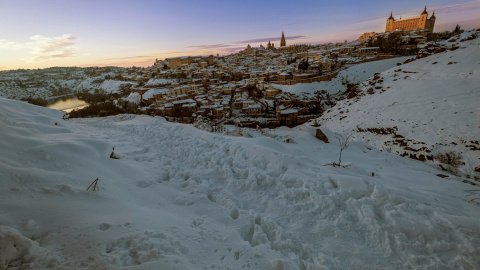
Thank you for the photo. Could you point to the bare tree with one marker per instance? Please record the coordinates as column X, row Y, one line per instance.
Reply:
column 344, row 141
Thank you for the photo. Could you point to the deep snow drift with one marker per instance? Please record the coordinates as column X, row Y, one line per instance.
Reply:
column 182, row 198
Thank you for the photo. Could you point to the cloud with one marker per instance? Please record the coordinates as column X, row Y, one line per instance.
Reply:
column 256, row 40
column 51, row 48
column 207, row 49
column 131, row 57
column 56, row 54
column 55, row 45
column 455, row 8
column 8, row 45
column 211, row 46
column 467, row 25
column 44, row 48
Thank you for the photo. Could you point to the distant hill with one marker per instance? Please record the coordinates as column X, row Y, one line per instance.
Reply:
column 57, row 81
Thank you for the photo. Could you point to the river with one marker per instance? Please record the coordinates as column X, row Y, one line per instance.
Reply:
column 67, row 104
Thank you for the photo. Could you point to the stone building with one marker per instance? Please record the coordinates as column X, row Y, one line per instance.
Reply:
column 366, row 35
column 409, row 24
column 177, row 62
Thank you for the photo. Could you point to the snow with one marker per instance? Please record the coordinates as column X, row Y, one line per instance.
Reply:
column 17, row 250
column 47, row 85
column 432, row 101
column 112, row 86
column 183, row 198
column 289, row 111
column 353, row 74
column 134, row 98
column 155, row 82
column 152, row 92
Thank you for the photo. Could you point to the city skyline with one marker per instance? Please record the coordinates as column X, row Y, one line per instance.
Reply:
column 39, row 34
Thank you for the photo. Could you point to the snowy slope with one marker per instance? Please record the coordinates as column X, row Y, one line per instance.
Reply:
column 156, row 82
column 182, row 198
column 54, row 82
column 112, row 86
column 432, row 102
column 353, row 74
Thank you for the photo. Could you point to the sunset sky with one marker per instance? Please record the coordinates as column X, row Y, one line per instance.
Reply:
column 45, row 33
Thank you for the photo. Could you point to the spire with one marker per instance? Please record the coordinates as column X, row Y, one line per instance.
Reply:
column 391, row 15
column 283, row 43
column 425, row 10
column 433, row 14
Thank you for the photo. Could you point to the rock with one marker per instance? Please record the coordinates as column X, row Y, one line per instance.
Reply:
column 431, row 48
column 321, row 136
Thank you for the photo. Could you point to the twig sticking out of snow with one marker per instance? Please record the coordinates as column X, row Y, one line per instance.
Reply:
column 94, row 184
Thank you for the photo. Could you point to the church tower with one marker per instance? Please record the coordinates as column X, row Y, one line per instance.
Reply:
column 282, row 41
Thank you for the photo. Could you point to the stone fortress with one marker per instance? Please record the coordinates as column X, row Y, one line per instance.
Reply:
column 409, row 24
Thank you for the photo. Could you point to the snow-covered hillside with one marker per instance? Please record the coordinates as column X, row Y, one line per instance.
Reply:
column 182, row 198
column 112, row 86
column 58, row 81
column 421, row 109
column 356, row 73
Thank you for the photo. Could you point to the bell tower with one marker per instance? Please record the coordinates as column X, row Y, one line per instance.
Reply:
column 283, row 43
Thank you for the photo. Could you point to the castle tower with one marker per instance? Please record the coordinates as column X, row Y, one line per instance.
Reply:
column 422, row 22
column 431, row 23
column 389, row 26
column 283, row 43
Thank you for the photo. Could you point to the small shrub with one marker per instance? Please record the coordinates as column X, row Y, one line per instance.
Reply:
column 452, row 159
column 344, row 141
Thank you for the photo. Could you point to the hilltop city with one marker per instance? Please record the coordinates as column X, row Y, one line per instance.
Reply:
column 244, row 87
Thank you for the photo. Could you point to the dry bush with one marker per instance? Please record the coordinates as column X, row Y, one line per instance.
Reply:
column 452, row 159
column 344, row 141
